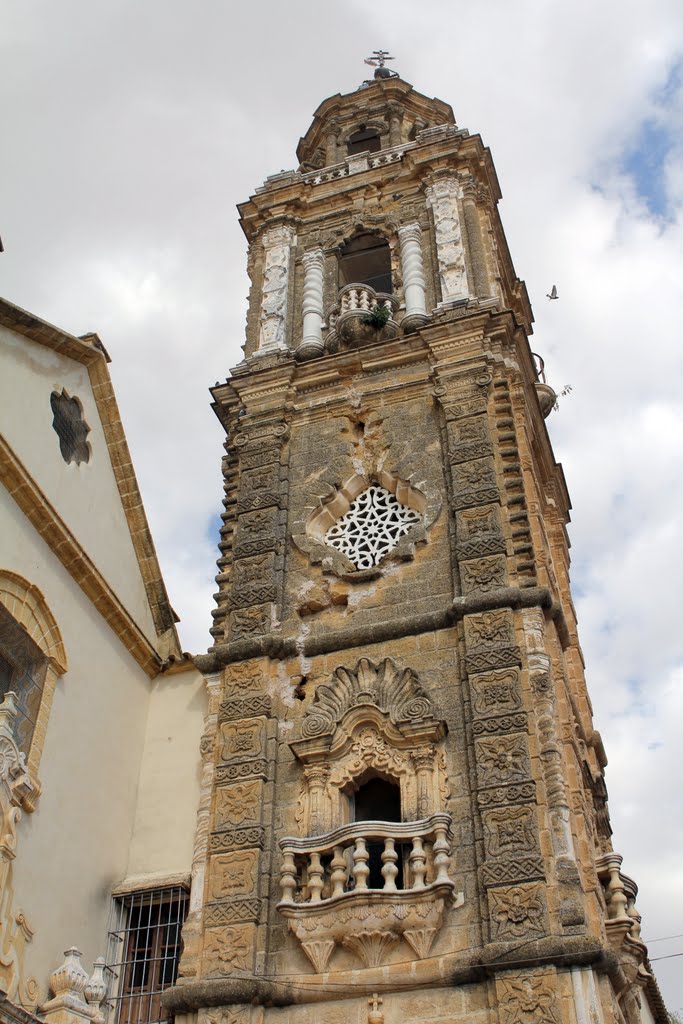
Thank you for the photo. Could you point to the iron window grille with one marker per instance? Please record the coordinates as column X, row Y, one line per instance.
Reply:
column 144, row 950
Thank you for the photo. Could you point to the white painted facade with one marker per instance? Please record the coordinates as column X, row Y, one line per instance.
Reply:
column 119, row 768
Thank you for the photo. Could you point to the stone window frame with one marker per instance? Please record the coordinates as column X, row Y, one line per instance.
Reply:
column 27, row 606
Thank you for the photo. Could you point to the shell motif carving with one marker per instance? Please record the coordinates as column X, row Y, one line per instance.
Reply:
column 394, row 691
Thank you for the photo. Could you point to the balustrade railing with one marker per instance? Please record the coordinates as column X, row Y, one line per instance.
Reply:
column 414, row 855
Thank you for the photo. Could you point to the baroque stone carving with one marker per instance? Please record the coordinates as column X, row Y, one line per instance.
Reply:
column 252, row 580
column 236, row 838
column 502, row 759
column 241, row 770
column 369, row 750
column 259, row 488
column 250, row 622
column 277, row 243
column 442, row 196
column 528, row 999
column 506, row 723
column 256, row 532
column 251, row 707
column 510, row 831
column 394, row 691
column 483, row 574
column 232, row 911
column 238, row 803
column 489, row 628
column 228, row 949
column 519, row 869
column 516, row 794
column 496, row 692
column 241, row 676
column 517, row 911
column 241, row 738
column 233, row 874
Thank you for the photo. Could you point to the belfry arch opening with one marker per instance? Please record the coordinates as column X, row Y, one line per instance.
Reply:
column 366, row 259
column 363, row 140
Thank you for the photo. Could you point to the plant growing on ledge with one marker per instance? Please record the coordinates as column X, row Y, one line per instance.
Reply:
column 378, row 317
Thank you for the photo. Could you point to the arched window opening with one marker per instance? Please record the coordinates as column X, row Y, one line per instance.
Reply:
column 366, row 259
column 379, row 800
column 364, row 140
column 23, row 668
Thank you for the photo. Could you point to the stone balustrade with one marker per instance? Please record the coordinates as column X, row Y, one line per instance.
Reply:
column 348, row 319
column 333, row 865
column 332, row 899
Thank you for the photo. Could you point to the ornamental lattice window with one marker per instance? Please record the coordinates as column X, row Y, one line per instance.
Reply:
column 372, row 527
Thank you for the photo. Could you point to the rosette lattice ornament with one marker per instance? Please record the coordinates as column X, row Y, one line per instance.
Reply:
column 372, row 527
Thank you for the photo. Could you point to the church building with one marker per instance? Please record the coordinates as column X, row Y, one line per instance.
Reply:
column 379, row 797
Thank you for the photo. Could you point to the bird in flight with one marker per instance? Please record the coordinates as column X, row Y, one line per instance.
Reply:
column 553, row 293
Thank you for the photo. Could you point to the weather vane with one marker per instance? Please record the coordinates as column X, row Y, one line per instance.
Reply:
column 378, row 60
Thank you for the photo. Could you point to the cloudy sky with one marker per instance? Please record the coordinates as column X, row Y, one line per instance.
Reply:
column 131, row 129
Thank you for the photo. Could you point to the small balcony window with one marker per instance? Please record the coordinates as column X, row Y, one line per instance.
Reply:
column 366, row 259
column 379, row 800
column 363, row 140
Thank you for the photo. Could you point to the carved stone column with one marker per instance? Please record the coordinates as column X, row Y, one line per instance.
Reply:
column 316, row 776
column 331, row 143
column 410, row 237
column 395, row 117
column 277, row 243
column 443, row 195
column 471, row 216
column 312, row 341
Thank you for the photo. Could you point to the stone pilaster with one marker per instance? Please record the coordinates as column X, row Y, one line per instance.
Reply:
column 277, row 242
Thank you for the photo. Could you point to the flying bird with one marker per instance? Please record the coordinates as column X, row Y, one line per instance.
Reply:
column 553, row 293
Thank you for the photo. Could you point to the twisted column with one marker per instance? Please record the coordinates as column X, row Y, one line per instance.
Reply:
column 312, row 341
column 410, row 238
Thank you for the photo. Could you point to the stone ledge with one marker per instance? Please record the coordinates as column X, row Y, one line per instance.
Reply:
column 447, row 971
column 279, row 647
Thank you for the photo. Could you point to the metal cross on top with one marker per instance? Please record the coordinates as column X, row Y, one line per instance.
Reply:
column 378, row 60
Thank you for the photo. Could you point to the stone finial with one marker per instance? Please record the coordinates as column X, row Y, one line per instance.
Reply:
column 76, row 997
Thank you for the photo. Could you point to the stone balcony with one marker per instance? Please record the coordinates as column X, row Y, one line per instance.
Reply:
column 331, row 897
column 350, row 319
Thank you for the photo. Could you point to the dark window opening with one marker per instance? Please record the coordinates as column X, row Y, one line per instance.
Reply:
column 379, row 800
column 363, row 140
column 70, row 428
column 144, row 951
column 366, row 259
column 23, row 668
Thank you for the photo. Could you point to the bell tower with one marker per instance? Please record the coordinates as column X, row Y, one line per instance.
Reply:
column 403, row 813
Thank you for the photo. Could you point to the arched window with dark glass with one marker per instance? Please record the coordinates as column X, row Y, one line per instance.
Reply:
column 364, row 140
column 366, row 259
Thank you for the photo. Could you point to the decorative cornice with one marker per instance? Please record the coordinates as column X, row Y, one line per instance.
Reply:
column 41, row 514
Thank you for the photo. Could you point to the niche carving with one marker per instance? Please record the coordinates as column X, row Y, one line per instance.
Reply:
column 373, row 720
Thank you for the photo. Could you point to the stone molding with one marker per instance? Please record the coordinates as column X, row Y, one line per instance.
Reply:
column 42, row 515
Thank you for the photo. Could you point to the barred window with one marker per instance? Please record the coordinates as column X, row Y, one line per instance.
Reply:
column 144, row 950
column 372, row 527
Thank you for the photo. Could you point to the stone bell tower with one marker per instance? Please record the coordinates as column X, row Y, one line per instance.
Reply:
column 403, row 810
